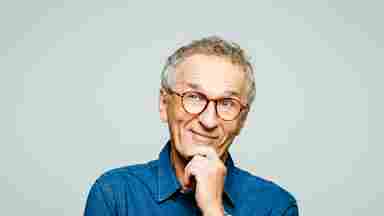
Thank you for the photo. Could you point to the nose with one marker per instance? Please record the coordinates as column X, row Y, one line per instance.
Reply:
column 208, row 118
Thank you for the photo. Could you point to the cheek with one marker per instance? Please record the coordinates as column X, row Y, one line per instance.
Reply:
column 229, row 133
column 178, row 120
column 231, row 129
column 226, row 133
column 174, row 116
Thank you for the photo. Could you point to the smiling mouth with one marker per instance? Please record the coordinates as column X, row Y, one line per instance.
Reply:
column 204, row 135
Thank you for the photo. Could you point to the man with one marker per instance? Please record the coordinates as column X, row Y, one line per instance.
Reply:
column 207, row 88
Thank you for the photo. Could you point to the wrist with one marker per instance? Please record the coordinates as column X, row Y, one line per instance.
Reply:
column 214, row 211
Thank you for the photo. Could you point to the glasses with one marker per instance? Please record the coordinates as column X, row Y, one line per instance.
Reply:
column 194, row 103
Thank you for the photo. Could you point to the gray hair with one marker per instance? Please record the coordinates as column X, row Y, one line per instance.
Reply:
column 216, row 46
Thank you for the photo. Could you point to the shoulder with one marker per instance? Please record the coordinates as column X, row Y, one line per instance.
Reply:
column 128, row 177
column 110, row 192
column 255, row 189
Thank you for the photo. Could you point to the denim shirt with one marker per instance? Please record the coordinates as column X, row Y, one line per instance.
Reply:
column 153, row 189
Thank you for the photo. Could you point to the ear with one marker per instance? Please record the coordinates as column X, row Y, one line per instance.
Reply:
column 163, row 105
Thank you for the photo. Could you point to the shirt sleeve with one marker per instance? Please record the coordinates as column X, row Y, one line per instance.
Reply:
column 291, row 211
column 98, row 202
column 288, row 210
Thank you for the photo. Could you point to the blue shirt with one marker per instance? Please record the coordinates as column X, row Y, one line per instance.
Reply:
column 153, row 189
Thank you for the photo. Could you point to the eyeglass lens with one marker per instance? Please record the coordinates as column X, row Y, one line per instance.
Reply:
column 195, row 103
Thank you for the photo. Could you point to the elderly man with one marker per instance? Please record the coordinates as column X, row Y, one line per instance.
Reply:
column 207, row 88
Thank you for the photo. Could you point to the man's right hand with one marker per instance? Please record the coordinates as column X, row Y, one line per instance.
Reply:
column 209, row 172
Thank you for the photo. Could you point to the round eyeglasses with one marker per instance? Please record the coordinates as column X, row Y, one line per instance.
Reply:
column 228, row 109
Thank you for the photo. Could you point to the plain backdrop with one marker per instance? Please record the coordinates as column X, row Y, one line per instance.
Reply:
column 79, row 85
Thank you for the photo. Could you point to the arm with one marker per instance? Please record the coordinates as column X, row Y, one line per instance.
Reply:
column 291, row 211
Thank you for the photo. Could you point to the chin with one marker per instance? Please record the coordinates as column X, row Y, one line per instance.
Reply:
column 189, row 146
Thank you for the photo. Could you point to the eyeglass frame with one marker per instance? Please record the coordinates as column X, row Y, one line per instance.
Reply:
column 181, row 95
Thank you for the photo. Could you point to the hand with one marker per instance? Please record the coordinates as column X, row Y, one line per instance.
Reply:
column 209, row 172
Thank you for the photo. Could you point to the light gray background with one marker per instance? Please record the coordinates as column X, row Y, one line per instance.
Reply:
column 79, row 85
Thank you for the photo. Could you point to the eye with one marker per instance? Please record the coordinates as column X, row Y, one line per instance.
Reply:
column 228, row 102
column 193, row 96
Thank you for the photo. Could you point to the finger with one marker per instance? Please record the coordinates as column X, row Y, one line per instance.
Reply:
column 196, row 168
column 191, row 172
column 201, row 166
column 207, row 152
column 191, row 168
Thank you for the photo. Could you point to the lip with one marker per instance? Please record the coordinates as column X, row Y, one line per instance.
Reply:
column 204, row 135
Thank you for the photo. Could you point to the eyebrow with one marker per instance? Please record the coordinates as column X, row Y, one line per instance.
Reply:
column 226, row 93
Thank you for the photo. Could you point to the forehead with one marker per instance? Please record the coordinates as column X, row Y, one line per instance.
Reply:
column 214, row 75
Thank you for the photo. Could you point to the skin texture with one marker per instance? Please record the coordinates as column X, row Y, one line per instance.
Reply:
column 199, row 143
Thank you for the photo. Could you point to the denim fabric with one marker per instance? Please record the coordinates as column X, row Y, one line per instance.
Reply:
column 153, row 189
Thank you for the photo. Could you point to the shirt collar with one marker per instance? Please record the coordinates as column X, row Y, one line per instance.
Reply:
column 229, row 188
column 168, row 183
column 167, row 180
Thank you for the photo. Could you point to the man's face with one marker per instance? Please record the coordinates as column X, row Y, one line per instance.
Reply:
column 216, row 77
